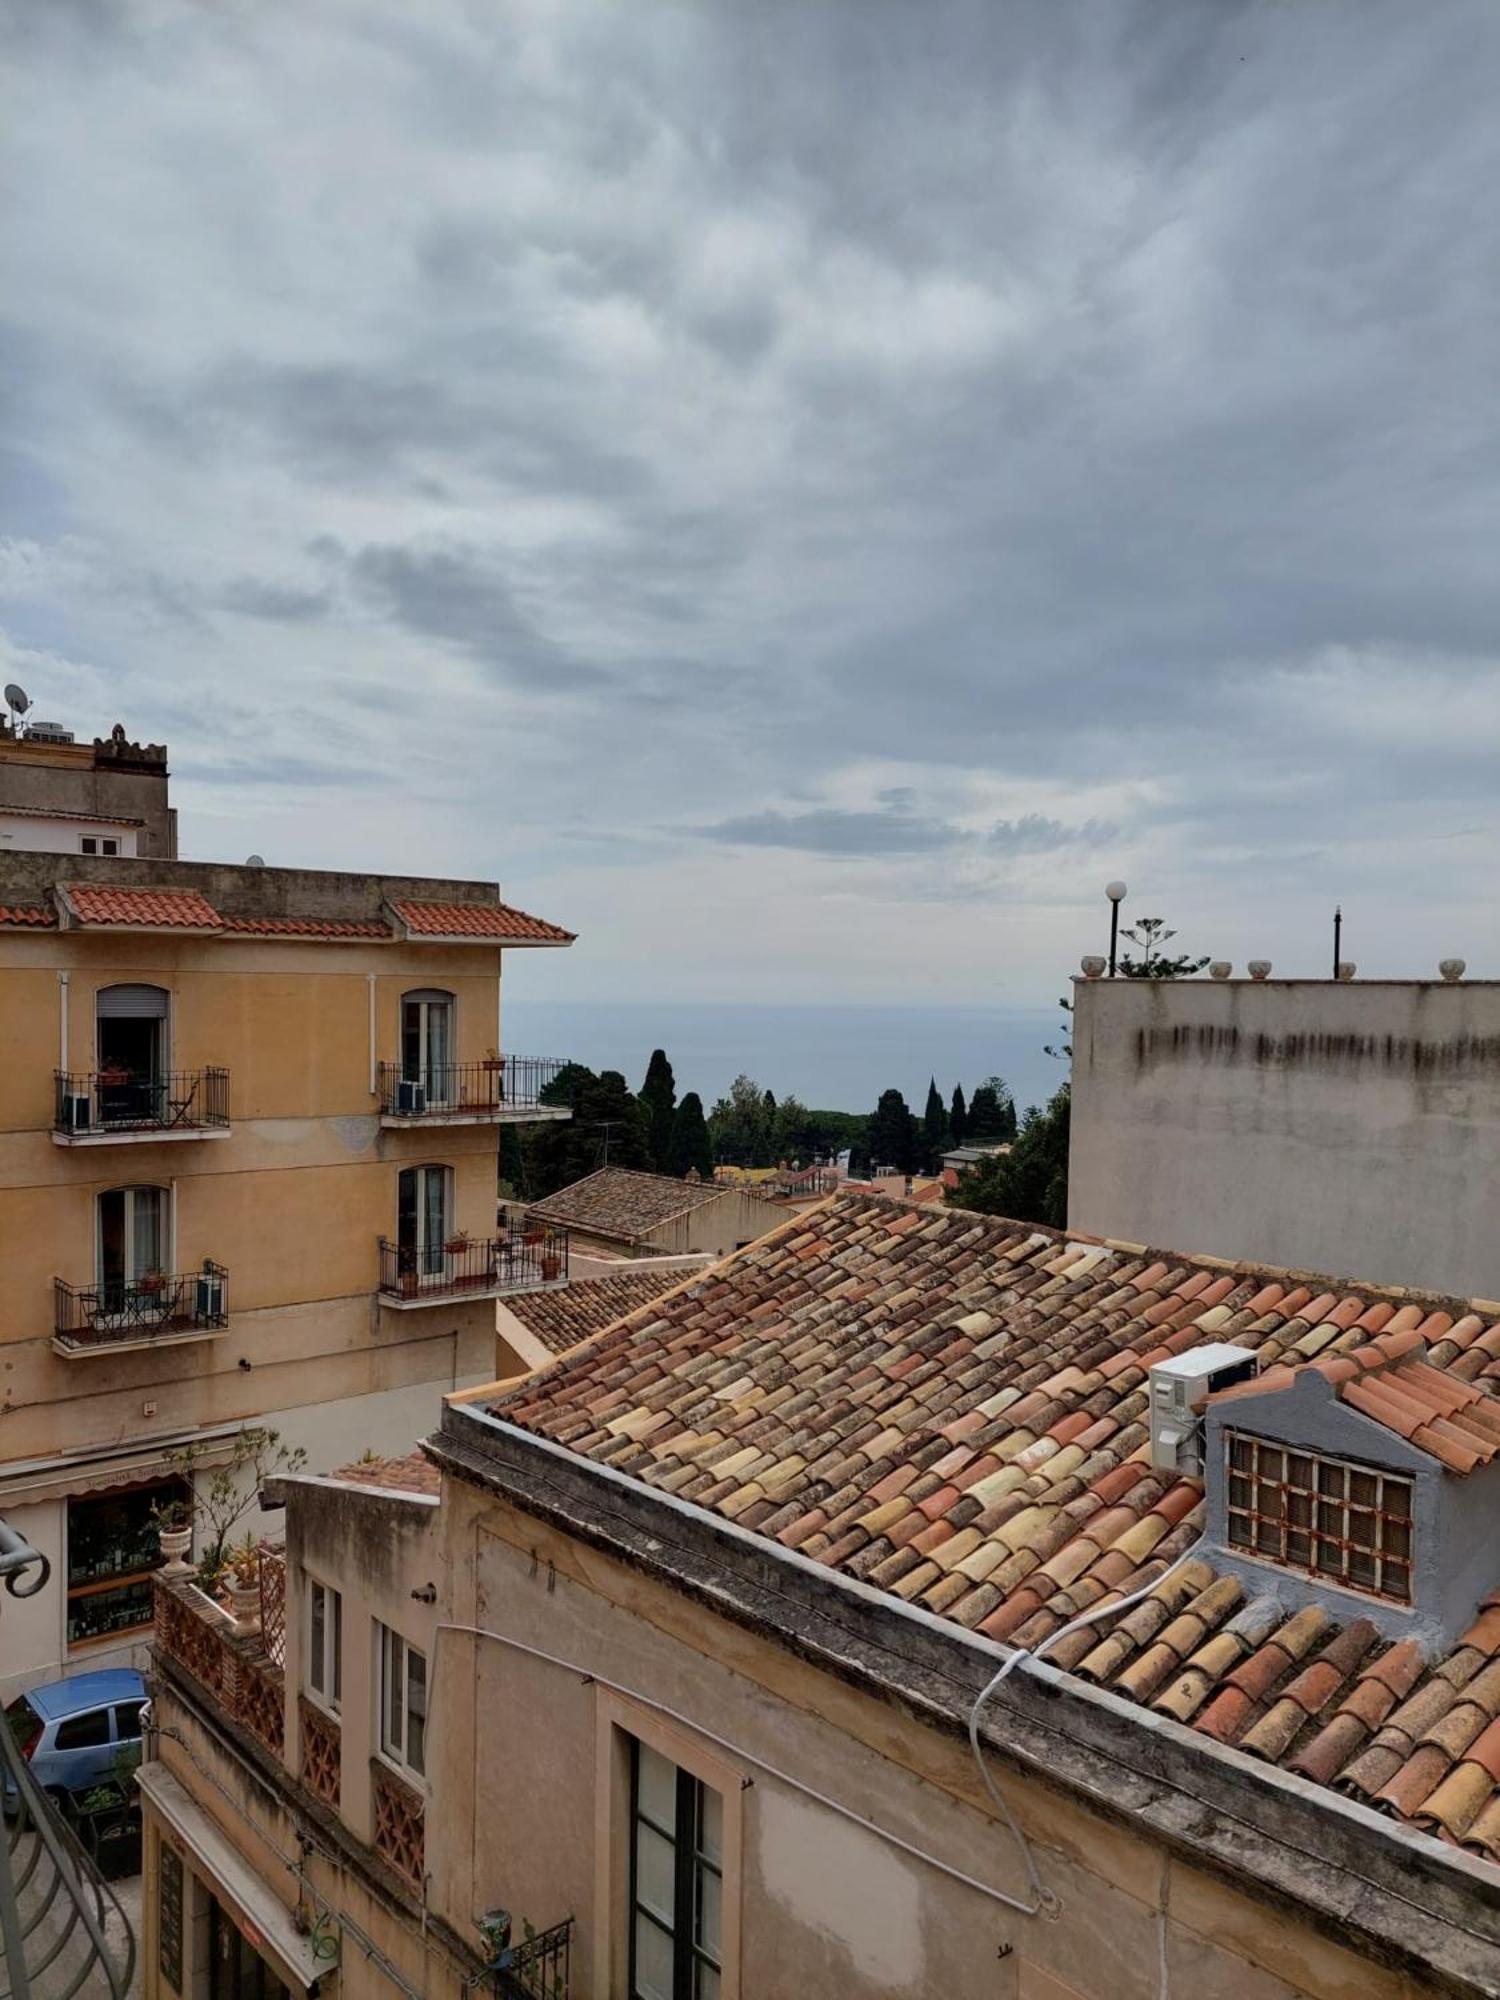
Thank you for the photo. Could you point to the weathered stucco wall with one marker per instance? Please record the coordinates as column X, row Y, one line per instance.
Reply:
column 1352, row 1129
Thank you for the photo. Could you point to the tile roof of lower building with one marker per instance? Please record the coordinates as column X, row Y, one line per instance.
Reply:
column 480, row 923
column 335, row 928
column 144, row 909
column 415, row 1473
column 562, row 1318
column 622, row 1203
column 27, row 917
column 953, row 1408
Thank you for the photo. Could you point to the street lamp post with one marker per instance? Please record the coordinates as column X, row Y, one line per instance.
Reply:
column 1116, row 894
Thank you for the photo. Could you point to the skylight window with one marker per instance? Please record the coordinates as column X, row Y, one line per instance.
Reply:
column 1347, row 1523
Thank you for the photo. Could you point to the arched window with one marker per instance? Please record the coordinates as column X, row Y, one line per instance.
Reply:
column 427, row 1044
column 424, row 1202
column 133, row 1248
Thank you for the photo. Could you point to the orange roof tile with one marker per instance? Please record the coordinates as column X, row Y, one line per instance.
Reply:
column 336, row 929
column 481, row 923
column 145, row 909
column 415, row 1473
column 902, row 1404
column 27, row 916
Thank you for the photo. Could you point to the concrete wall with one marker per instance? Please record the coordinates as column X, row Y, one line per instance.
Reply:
column 1351, row 1129
column 103, row 777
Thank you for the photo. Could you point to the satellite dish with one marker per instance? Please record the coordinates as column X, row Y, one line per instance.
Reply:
column 255, row 861
column 18, row 698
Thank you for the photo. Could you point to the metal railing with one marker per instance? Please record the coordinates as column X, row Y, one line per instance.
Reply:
column 120, row 1101
column 127, row 1308
column 503, row 1083
column 62, row 1930
column 538, row 1969
column 480, row 1265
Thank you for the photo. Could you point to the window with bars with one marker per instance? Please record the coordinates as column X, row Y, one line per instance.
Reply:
column 676, row 1881
column 1348, row 1523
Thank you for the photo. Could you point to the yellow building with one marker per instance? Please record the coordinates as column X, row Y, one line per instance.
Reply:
column 247, row 1173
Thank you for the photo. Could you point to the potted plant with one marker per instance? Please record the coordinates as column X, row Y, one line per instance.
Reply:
column 112, row 1076
column 173, row 1520
column 243, row 1587
column 551, row 1265
column 151, row 1282
column 224, row 1494
column 457, row 1243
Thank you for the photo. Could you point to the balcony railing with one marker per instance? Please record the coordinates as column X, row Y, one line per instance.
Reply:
column 473, row 1267
column 153, row 1307
column 490, row 1089
column 234, row 1669
column 537, row 1969
column 114, row 1104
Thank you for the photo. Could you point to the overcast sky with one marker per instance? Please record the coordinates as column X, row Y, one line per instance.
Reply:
column 801, row 493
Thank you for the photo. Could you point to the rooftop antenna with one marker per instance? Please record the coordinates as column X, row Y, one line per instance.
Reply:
column 1338, row 932
column 18, row 701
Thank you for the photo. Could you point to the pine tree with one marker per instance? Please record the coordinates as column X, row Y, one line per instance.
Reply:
column 992, row 1110
column 690, row 1148
column 658, row 1101
column 958, row 1116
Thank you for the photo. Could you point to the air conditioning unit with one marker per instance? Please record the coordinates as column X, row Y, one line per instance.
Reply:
column 208, row 1301
column 77, row 1112
column 411, row 1096
column 1178, row 1390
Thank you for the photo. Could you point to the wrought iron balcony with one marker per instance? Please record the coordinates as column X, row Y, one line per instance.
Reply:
column 465, row 1267
column 112, row 1106
column 536, row 1969
column 503, row 1090
column 134, row 1312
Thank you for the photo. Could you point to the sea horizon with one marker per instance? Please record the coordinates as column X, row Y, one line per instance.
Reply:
column 834, row 1058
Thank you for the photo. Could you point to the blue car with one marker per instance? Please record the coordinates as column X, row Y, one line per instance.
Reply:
column 71, row 1732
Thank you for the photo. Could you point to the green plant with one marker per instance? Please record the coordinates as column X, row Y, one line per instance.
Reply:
column 225, row 1494
column 244, row 1561
column 171, row 1516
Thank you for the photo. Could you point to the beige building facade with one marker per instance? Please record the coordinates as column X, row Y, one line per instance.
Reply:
column 247, row 1174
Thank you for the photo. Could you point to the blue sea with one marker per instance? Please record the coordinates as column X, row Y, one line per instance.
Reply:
column 832, row 1058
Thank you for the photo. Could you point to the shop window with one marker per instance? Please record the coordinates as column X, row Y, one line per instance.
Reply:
column 113, row 1548
column 1348, row 1523
column 676, row 1881
column 236, row 1970
column 403, row 1702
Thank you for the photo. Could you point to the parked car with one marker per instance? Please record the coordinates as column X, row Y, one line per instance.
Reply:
column 70, row 1732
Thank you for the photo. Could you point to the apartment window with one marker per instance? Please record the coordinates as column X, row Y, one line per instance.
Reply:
column 93, row 843
column 1348, row 1523
column 131, row 1247
column 676, row 1881
column 325, row 1643
column 423, row 1205
column 403, row 1702
column 427, row 1043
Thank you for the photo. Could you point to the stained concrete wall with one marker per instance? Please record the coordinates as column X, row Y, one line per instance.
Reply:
column 1351, row 1129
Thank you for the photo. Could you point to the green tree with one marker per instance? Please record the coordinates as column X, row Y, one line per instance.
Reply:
column 992, row 1111
column 958, row 1116
column 611, row 1123
column 607, row 1126
column 1030, row 1182
column 659, row 1102
column 793, row 1136
column 935, row 1126
column 692, row 1150
column 738, row 1128
column 1150, row 937
column 895, row 1138
column 224, row 1494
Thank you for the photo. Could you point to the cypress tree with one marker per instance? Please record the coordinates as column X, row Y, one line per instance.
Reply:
column 934, row 1125
column 958, row 1116
column 658, row 1100
column 690, row 1146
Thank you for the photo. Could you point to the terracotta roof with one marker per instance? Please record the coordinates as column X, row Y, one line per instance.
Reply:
column 413, row 1474
column 953, row 1408
column 336, row 928
column 27, row 916
column 1390, row 1380
column 480, row 922
column 148, row 909
column 64, row 812
column 562, row 1318
column 620, row 1203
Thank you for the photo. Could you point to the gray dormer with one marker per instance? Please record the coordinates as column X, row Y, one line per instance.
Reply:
column 1310, row 1499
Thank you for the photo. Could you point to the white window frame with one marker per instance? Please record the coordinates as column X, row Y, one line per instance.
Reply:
column 428, row 1000
column 324, row 1664
column 393, row 1730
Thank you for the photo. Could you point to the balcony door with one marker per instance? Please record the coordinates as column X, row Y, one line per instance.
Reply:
column 427, row 1044
column 423, row 1204
column 130, row 1035
column 132, row 1248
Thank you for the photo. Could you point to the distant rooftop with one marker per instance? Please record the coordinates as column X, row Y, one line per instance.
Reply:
column 561, row 1318
column 625, row 1205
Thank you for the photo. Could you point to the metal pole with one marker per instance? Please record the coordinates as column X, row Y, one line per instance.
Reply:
column 1114, row 934
column 1338, row 926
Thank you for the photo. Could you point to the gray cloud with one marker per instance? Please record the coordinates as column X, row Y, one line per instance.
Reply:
column 937, row 434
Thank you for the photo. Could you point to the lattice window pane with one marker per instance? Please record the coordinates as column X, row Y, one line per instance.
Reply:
column 1350, row 1523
